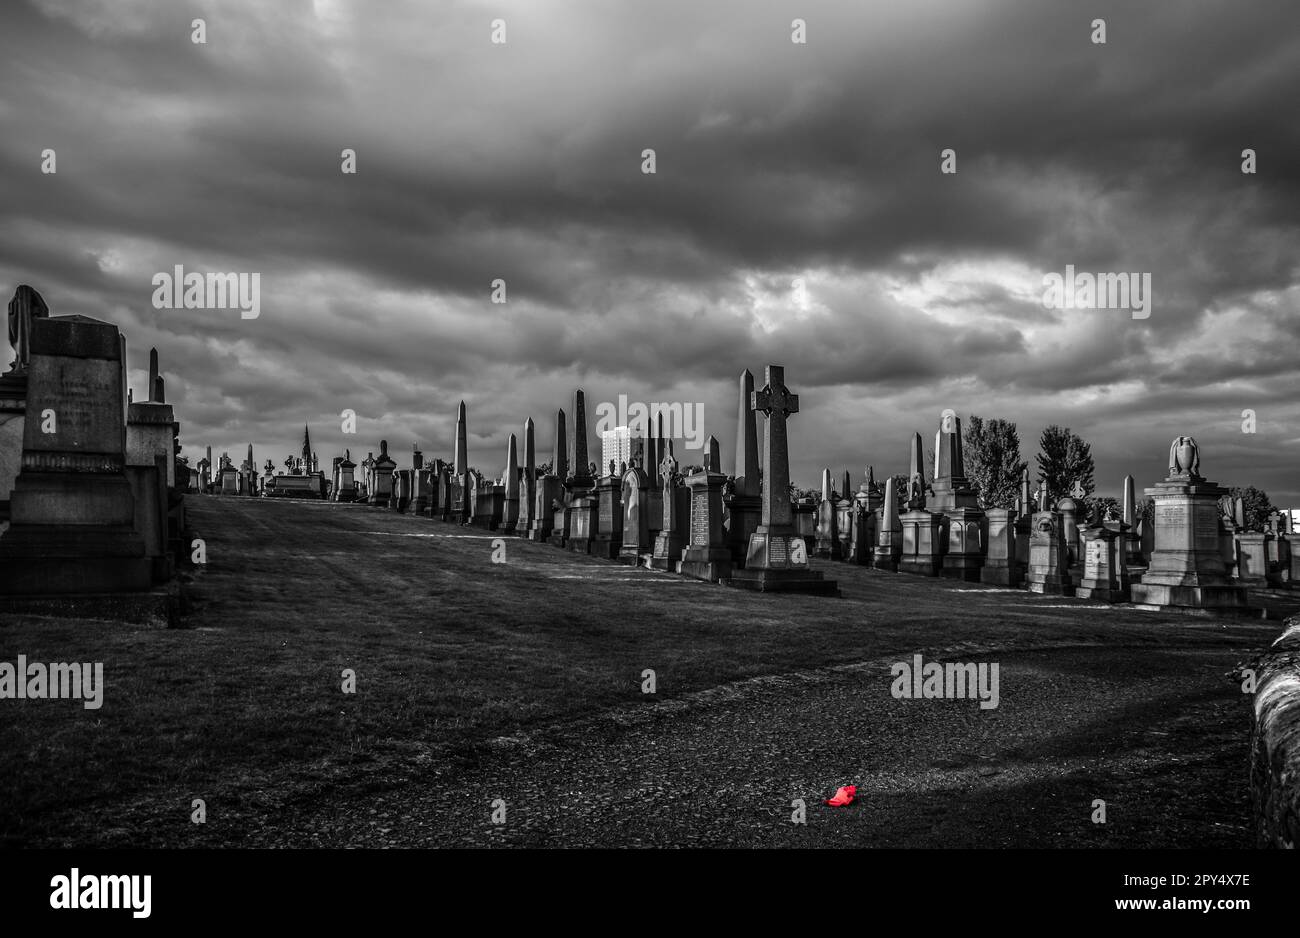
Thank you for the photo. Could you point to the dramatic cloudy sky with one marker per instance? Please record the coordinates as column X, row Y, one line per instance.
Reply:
column 776, row 162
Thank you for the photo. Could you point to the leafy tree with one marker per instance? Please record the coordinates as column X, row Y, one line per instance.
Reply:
column 1102, row 504
column 797, row 493
column 1255, row 506
column 900, row 486
column 1063, row 459
column 991, row 450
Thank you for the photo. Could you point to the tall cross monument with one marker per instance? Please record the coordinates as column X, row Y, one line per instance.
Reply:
column 777, row 558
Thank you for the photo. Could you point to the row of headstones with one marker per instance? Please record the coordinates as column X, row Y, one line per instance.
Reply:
column 684, row 524
column 714, row 521
column 701, row 524
column 305, row 481
column 1204, row 559
column 88, row 476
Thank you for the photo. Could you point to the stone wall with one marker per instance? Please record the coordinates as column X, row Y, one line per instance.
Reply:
column 1275, row 741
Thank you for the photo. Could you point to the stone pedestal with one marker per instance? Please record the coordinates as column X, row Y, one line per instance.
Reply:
column 889, row 549
column 72, row 514
column 921, row 543
column 487, row 503
column 777, row 562
column 460, row 500
column 862, row 538
column 347, row 487
column 1048, row 570
column 548, row 490
column 607, row 542
column 706, row 556
column 509, row 516
column 1105, row 572
column 844, row 527
column 827, row 537
column 671, row 539
column 743, row 514
column 1001, row 566
column 581, row 518
column 1278, row 561
column 13, row 411
column 1186, row 573
column 422, row 495
column 1252, row 558
column 228, row 481
column 381, row 479
column 150, row 432
column 964, row 556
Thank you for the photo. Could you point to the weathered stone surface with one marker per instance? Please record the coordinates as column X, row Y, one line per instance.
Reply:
column 637, row 541
column 746, row 466
column 72, row 512
column 922, row 543
column 1048, row 571
column 889, row 539
column 1001, row 567
column 774, row 562
column 510, row 489
column 608, row 540
column 706, row 556
column 1186, row 571
column 1105, row 573
column 1275, row 742
column 578, row 465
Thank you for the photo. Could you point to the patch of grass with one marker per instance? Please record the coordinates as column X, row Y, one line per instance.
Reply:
column 449, row 650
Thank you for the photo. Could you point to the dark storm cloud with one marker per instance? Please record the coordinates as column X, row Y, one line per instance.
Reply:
column 776, row 162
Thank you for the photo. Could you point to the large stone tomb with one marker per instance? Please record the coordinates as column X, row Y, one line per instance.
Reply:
column 72, row 511
column 1186, row 571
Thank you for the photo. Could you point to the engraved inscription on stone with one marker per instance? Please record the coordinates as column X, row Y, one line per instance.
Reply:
column 778, row 551
column 1206, row 529
column 85, row 404
column 700, row 520
column 1171, row 515
column 1095, row 559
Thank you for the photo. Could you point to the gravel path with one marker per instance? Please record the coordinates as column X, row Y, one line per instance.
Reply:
column 722, row 768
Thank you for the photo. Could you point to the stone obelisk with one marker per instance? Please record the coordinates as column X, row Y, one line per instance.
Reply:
column 510, row 486
column 578, row 463
column 889, row 540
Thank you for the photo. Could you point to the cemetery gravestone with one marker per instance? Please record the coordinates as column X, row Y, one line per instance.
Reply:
column 72, row 512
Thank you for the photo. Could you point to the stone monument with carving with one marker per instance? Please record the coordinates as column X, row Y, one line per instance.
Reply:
column 1186, row 572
